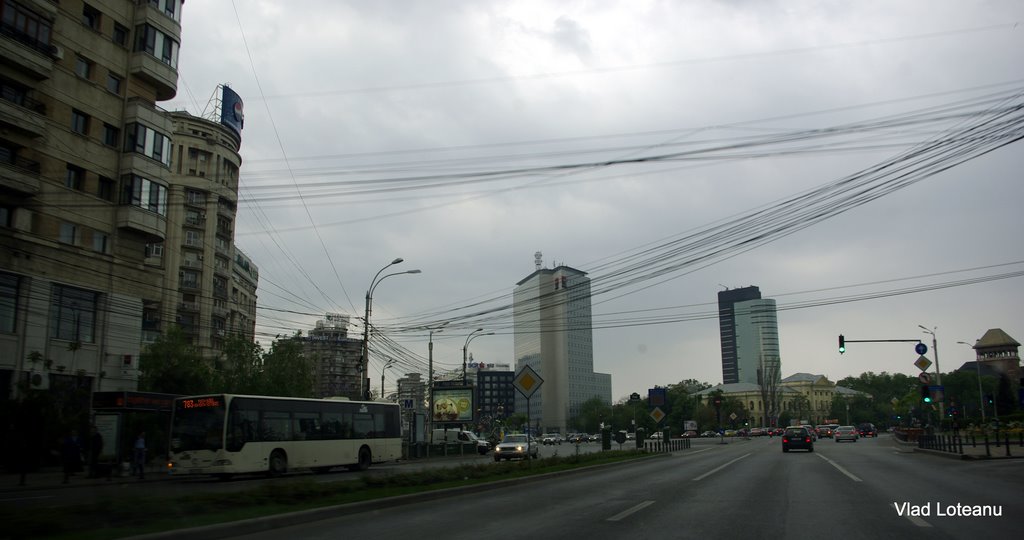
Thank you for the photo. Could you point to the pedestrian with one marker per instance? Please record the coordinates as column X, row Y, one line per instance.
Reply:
column 95, row 449
column 71, row 455
column 139, row 456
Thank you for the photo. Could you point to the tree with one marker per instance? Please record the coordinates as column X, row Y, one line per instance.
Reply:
column 171, row 365
column 240, row 366
column 592, row 412
column 286, row 371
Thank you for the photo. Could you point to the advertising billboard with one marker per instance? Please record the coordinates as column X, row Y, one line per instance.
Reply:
column 231, row 114
column 453, row 405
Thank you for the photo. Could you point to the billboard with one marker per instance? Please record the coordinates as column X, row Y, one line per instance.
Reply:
column 231, row 114
column 453, row 405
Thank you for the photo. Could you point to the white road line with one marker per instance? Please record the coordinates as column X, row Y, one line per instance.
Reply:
column 841, row 469
column 716, row 469
column 918, row 521
column 626, row 513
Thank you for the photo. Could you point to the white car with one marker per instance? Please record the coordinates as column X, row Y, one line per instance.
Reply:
column 516, row 447
column 551, row 438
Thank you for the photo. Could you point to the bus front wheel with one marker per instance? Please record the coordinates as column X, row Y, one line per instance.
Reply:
column 278, row 463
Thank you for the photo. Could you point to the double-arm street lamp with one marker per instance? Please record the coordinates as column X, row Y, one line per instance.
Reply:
column 364, row 386
column 473, row 335
column 430, row 376
column 977, row 365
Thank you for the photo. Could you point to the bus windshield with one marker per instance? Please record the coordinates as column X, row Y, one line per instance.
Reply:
column 198, row 424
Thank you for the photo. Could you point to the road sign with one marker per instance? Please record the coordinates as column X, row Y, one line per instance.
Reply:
column 732, row 416
column 923, row 363
column 527, row 381
column 658, row 415
column 920, row 348
column 924, row 377
column 407, row 404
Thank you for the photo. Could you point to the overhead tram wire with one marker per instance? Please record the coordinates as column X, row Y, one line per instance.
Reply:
column 280, row 143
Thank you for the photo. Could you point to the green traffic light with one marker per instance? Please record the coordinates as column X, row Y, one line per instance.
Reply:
column 928, row 399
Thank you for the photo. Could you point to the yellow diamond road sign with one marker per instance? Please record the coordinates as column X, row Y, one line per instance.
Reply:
column 658, row 415
column 527, row 381
column 923, row 363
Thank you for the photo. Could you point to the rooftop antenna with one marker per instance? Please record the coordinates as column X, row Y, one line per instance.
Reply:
column 537, row 260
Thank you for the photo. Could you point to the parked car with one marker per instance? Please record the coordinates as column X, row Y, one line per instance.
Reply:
column 709, row 434
column 516, row 446
column 797, row 437
column 456, row 436
column 846, row 433
column 867, row 429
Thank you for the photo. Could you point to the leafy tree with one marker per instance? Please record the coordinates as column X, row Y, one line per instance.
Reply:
column 286, row 371
column 172, row 365
column 240, row 366
column 592, row 412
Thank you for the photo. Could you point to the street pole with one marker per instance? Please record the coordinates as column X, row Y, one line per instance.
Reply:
column 430, row 380
column 938, row 373
column 472, row 335
column 364, row 367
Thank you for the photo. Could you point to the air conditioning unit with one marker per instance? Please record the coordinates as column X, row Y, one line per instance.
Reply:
column 58, row 52
column 38, row 380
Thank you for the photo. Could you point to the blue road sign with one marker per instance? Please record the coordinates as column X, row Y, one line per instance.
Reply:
column 920, row 348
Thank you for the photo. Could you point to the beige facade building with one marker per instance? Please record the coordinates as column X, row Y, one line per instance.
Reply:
column 96, row 192
column 336, row 358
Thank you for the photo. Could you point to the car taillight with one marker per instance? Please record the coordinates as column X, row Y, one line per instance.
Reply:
column 785, row 439
column 808, row 439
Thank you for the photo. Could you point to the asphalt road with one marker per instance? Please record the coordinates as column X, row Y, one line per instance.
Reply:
column 745, row 489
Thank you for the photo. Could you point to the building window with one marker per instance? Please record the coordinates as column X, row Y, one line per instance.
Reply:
column 149, row 142
column 26, row 26
column 73, row 314
column 99, row 242
column 106, row 189
column 113, row 84
column 74, row 177
column 196, row 198
column 68, row 233
column 91, row 17
column 193, row 239
column 120, row 35
column 79, row 122
column 145, row 193
column 5, row 215
column 111, row 135
column 83, row 68
column 156, row 43
column 8, row 301
column 154, row 251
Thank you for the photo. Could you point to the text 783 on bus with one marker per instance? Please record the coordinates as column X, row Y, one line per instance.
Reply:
column 227, row 434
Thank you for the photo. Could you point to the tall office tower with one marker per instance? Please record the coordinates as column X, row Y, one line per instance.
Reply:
column 757, row 341
column 727, row 328
column 85, row 166
column 553, row 335
column 336, row 358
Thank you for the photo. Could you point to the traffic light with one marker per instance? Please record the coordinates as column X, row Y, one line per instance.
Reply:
column 842, row 344
column 988, row 398
column 926, row 393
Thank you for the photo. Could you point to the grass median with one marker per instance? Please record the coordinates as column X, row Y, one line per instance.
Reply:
column 117, row 518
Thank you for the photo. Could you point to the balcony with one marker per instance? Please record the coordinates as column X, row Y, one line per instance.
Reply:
column 150, row 224
column 23, row 115
column 21, row 177
column 30, row 56
column 156, row 72
column 188, row 306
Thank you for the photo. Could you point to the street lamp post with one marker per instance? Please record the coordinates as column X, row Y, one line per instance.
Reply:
column 364, row 387
column 981, row 396
column 387, row 364
column 938, row 373
column 473, row 335
column 430, row 377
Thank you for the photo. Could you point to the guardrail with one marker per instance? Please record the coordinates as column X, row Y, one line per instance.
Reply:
column 955, row 443
column 666, row 446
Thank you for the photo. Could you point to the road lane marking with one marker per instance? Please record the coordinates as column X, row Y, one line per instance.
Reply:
column 918, row 521
column 716, row 469
column 841, row 469
column 626, row 513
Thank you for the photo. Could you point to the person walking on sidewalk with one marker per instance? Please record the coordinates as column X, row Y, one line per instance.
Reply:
column 71, row 455
column 139, row 456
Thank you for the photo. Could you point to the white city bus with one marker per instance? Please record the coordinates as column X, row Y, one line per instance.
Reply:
column 226, row 434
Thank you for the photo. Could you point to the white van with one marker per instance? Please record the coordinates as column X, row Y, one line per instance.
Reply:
column 456, row 436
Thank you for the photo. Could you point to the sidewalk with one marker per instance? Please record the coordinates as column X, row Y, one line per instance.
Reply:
column 53, row 477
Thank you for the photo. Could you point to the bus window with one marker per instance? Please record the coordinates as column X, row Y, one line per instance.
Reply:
column 197, row 428
column 337, row 425
column 363, row 426
column 306, row 425
column 275, row 426
column 242, row 429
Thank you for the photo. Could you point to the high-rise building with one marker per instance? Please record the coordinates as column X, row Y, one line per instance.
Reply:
column 116, row 217
column 750, row 336
column 336, row 358
column 553, row 335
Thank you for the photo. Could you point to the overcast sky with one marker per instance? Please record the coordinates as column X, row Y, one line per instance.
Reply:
column 466, row 136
